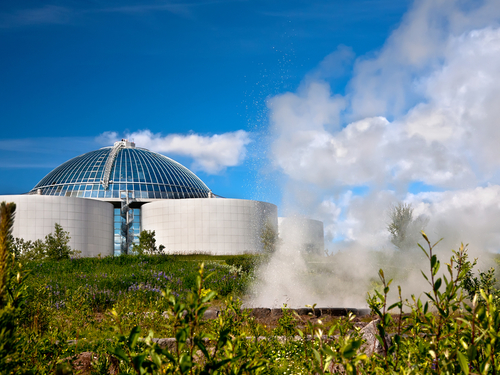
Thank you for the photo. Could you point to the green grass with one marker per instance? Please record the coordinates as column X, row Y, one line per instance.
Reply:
column 78, row 294
column 73, row 300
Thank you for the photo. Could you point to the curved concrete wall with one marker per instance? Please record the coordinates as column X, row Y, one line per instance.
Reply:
column 88, row 221
column 214, row 226
column 303, row 234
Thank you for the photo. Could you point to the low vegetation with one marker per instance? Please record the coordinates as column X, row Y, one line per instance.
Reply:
column 55, row 311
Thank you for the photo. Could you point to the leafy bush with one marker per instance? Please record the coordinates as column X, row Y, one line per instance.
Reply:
column 55, row 247
column 245, row 262
column 147, row 244
column 196, row 351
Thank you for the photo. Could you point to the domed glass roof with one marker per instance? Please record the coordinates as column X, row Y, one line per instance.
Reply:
column 105, row 172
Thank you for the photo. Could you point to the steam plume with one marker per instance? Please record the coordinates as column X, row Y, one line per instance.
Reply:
column 418, row 124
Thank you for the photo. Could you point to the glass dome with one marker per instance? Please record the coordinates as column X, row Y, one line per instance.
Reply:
column 105, row 172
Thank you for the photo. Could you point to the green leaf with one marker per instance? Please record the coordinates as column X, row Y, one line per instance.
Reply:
column 317, row 355
column 218, row 365
column 198, row 282
column 348, row 351
column 433, row 261
column 437, row 284
column 425, row 277
column 185, row 363
column 425, row 252
column 211, row 295
column 387, row 320
column 397, row 304
column 181, row 335
column 120, row 353
column 463, row 363
column 137, row 360
column 436, row 268
column 199, row 343
column 133, row 337
column 472, row 352
column 166, row 353
column 156, row 359
column 328, row 351
column 397, row 339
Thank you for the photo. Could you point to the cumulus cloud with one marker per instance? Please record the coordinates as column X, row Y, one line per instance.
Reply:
column 211, row 154
column 423, row 109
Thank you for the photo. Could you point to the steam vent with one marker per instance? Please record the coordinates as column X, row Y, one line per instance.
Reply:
column 104, row 198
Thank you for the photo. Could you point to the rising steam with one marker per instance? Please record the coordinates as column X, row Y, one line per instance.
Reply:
column 419, row 124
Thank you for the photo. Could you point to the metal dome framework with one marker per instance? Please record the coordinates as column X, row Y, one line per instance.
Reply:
column 106, row 172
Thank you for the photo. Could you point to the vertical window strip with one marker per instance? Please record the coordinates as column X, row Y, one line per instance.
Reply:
column 152, row 168
column 167, row 177
column 54, row 175
column 158, row 173
column 147, row 174
column 181, row 177
column 173, row 182
column 134, row 167
column 142, row 163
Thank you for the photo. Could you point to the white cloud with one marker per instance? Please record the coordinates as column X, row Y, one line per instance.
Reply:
column 422, row 109
column 211, row 154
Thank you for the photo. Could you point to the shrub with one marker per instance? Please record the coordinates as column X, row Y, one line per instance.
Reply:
column 147, row 244
column 245, row 262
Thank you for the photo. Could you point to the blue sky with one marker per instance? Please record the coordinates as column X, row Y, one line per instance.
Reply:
column 72, row 70
column 332, row 109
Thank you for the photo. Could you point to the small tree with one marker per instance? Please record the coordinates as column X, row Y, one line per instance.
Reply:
column 147, row 243
column 56, row 244
column 269, row 238
column 12, row 296
column 7, row 212
column 403, row 227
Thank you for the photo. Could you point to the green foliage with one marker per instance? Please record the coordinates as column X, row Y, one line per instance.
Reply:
column 443, row 334
column 448, row 330
column 12, row 293
column 269, row 238
column 7, row 211
column 472, row 285
column 340, row 354
column 55, row 247
column 244, row 262
column 287, row 323
column 196, row 351
column 403, row 227
column 147, row 244
column 126, row 282
column 56, row 244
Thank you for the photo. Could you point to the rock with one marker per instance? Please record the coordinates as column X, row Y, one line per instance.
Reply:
column 307, row 310
column 276, row 313
column 372, row 344
column 260, row 312
column 211, row 314
column 336, row 368
column 168, row 343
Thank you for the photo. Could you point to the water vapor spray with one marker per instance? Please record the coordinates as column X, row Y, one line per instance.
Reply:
column 418, row 124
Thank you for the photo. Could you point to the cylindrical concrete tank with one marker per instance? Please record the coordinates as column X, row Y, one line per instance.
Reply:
column 211, row 226
column 303, row 234
column 88, row 221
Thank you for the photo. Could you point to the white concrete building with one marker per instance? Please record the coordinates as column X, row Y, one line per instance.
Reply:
column 302, row 234
column 104, row 198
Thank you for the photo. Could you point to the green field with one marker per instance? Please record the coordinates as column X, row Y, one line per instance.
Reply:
column 109, row 311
